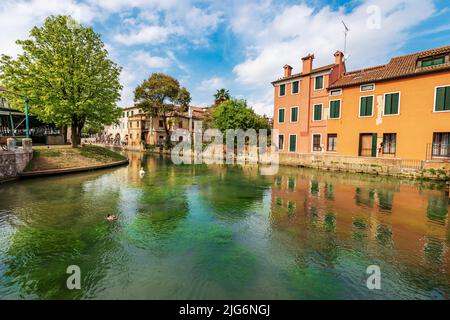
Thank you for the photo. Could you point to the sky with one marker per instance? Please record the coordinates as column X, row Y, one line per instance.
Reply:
column 235, row 44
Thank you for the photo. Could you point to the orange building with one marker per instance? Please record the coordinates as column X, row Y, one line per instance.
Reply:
column 397, row 110
column 301, row 105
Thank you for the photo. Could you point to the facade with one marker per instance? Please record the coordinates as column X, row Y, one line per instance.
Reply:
column 136, row 128
column 398, row 110
column 301, row 105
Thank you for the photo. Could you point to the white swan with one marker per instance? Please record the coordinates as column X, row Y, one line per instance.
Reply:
column 142, row 172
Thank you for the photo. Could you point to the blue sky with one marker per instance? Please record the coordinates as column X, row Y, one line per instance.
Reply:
column 240, row 45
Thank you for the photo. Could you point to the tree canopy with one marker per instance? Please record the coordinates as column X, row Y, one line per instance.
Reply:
column 162, row 96
column 221, row 95
column 65, row 72
column 235, row 114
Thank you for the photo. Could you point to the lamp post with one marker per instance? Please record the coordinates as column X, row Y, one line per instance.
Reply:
column 27, row 123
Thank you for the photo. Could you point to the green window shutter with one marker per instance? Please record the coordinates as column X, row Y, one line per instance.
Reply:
column 319, row 82
column 440, row 99
column 392, row 103
column 295, row 87
column 374, row 144
column 281, row 116
column 294, row 114
column 335, row 109
column 318, row 112
column 366, row 106
column 292, row 143
column 282, row 90
column 388, row 104
column 447, row 99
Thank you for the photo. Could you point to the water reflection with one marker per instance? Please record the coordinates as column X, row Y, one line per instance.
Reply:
column 212, row 231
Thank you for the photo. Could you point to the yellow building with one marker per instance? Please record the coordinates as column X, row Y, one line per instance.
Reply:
column 398, row 110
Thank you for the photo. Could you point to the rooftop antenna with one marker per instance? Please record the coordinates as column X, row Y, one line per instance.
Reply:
column 345, row 41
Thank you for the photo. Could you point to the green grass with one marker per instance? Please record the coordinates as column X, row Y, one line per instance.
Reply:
column 49, row 153
column 100, row 153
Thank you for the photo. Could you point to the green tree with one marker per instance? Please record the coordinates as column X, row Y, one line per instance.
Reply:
column 162, row 96
column 221, row 95
column 235, row 114
column 65, row 71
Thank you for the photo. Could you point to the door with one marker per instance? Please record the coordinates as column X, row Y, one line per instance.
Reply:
column 365, row 145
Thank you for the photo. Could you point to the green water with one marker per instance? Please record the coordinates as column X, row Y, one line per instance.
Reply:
column 213, row 232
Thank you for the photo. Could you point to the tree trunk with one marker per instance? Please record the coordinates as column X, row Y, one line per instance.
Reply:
column 64, row 133
column 168, row 141
column 77, row 126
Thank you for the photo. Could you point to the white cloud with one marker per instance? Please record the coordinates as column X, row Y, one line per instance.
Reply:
column 18, row 17
column 154, row 62
column 212, row 84
column 298, row 30
column 145, row 35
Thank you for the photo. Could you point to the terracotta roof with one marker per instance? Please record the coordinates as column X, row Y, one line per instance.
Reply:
column 398, row 67
column 298, row 75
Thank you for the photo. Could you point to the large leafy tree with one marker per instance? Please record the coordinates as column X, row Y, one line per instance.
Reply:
column 65, row 71
column 235, row 114
column 162, row 96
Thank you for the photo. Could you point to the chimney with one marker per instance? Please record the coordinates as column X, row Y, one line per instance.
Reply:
column 307, row 63
column 287, row 71
column 339, row 58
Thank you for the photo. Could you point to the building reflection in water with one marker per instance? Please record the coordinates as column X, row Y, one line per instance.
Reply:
column 382, row 219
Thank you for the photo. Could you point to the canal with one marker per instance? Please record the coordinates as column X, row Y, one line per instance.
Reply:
column 222, row 232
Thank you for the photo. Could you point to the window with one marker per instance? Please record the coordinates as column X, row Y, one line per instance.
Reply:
column 441, row 144
column 282, row 90
column 433, row 61
column 123, row 114
column 336, row 92
column 294, row 114
column 128, row 113
column 335, row 109
column 332, row 142
column 180, row 124
column 366, row 106
column 137, row 124
column 316, row 142
column 442, row 99
column 295, row 87
column 132, row 113
column 161, row 123
column 281, row 141
column 318, row 83
column 292, row 143
column 281, row 115
column 367, row 87
column 389, row 143
column 391, row 103
column 317, row 113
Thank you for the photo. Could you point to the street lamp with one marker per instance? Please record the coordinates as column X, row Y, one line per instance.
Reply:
column 26, row 108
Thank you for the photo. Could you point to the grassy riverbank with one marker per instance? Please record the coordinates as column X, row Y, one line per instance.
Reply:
column 65, row 157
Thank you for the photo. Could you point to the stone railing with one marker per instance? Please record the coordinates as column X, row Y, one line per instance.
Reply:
column 14, row 160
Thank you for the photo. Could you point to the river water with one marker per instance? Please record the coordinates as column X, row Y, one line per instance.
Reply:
column 223, row 232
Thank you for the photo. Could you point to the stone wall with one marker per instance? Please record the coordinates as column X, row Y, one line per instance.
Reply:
column 15, row 160
column 438, row 170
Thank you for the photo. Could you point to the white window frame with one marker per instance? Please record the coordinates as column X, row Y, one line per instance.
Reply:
column 289, row 147
column 312, row 142
column 278, row 115
column 367, row 84
column 298, row 113
column 336, row 95
column 359, row 108
column 340, row 109
column 292, row 87
column 435, row 98
column 279, row 89
column 399, row 104
column 321, row 116
column 284, row 141
column 327, row 143
column 323, row 82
